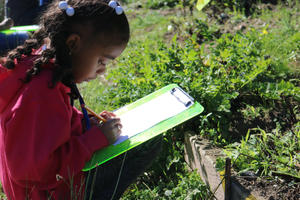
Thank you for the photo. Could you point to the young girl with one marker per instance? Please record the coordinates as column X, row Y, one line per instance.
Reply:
column 43, row 140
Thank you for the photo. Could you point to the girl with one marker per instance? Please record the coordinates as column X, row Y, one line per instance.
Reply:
column 43, row 144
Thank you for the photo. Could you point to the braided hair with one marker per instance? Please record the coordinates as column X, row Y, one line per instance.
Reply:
column 57, row 26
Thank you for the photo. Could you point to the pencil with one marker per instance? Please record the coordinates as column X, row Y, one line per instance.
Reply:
column 94, row 114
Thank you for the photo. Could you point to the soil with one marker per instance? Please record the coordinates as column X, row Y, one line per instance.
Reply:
column 281, row 111
column 267, row 188
column 271, row 189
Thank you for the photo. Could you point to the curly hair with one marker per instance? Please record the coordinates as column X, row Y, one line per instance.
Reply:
column 57, row 26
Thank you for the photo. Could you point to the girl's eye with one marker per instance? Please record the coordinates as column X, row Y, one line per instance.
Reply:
column 100, row 62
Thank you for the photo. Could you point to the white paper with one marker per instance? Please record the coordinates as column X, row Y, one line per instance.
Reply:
column 149, row 114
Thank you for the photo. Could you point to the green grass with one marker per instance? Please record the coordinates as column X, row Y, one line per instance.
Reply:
column 284, row 37
column 268, row 153
column 144, row 24
column 190, row 186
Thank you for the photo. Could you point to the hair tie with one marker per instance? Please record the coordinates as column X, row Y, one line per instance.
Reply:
column 63, row 5
column 113, row 4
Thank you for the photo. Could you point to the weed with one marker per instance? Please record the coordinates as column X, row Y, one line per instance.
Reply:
column 189, row 186
column 268, row 153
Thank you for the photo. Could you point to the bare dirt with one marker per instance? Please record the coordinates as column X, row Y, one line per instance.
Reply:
column 271, row 189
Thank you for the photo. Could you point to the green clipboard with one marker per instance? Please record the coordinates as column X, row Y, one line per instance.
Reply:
column 104, row 155
column 20, row 29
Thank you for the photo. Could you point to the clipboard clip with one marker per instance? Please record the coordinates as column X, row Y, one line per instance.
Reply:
column 182, row 96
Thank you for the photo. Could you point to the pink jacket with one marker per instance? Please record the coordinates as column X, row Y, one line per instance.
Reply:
column 42, row 145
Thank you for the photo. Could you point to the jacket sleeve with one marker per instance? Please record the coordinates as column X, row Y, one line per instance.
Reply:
column 44, row 139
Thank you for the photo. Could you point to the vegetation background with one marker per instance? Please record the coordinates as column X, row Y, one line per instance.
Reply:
column 240, row 60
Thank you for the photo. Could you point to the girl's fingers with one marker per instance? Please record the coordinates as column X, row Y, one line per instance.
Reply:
column 107, row 115
column 116, row 131
column 114, row 122
column 118, row 128
column 94, row 120
column 104, row 114
column 112, row 114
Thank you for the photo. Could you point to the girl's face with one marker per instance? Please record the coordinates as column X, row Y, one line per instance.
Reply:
column 90, row 58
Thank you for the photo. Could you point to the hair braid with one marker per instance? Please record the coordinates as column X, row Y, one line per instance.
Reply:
column 25, row 49
column 38, row 63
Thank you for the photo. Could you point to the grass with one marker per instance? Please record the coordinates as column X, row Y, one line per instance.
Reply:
column 285, row 35
column 144, row 24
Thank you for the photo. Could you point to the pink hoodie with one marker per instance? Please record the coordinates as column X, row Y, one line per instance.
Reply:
column 42, row 144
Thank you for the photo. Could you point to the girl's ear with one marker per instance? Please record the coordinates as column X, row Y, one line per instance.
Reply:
column 74, row 43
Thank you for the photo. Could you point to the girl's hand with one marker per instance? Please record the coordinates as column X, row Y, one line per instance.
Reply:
column 107, row 115
column 111, row 129
column 93, row 122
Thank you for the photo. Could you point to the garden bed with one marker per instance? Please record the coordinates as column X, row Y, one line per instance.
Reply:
column 201, row 155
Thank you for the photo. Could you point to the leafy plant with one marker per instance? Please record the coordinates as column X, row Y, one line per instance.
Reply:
column 189, row 186
column 268, row 153
column 155, row 4
column 246, row 6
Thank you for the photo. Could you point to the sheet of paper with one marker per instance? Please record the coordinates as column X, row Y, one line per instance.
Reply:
column 149, row 114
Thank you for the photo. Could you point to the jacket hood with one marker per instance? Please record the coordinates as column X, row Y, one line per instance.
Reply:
column 11, row 81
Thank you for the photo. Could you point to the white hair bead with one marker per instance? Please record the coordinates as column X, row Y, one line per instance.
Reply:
column 113, row 4
column 119, row 10
column 70, row 11
column 63, row 5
